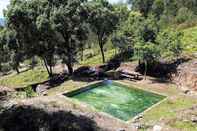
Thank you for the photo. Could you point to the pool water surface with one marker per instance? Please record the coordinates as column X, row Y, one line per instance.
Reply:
column 116, row 99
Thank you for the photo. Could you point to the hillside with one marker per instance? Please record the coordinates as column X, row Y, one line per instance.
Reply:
column 190, row 39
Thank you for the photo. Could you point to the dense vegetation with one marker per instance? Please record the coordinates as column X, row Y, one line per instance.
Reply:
column 60, row 31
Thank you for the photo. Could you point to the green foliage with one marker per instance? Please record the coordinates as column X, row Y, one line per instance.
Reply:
column 62, row 30
column 29, row 92
column 4, row 52
column 150, row 42
column 144, row 6
column 147, row 51
column 48, row 29
column 183, row 15
column 103, row 21
column 122, row 12
column 170, row 44
column 121, row 41
column 69, row 20
column 166, row 11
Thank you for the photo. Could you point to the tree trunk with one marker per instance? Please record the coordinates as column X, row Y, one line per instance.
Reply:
column 70, row 69
column 51, row 69
column 0, row 67
column 82, row 53
column 69, row 63
column 17, row 70
column 16, row 62
column 46, row 66
column 16, row 67
column 33, row 62
column 145, row 70
column 102, row 51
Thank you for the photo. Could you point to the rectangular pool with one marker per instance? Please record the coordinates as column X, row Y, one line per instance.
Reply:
column 116, row 99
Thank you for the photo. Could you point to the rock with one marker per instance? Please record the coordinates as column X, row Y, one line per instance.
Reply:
column 137, row 118
column 186, row 90
column 137, row 125
column 121, row 130
column 41, row 89
column 195, row 55
column 157, row 128
column 84, row 71
column 186, row 76
column 194, row 119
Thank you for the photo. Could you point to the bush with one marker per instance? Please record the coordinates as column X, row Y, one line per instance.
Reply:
column 170, row 44
column 29, row 92
column 183, row 15
column 6, row 68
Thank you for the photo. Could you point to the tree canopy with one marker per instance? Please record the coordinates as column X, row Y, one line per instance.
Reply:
column 56, row 30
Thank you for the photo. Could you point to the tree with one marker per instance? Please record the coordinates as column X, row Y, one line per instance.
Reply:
column 4, row 49
column 46, row 48
column 121, row 41
column 170, row 44
column 143, row 33
column 183, row 15
column 158, row 8
column 144, row 6
column 166, row 11
column 120, row 38
column 147, row 52
column 69, row 21
column 14, row 47
column 122, row 11
column 20, row 20
column 103, row 21
column 47, row 28
column 33, row 32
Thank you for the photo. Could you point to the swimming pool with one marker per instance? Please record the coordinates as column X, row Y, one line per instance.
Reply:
column 116, row 99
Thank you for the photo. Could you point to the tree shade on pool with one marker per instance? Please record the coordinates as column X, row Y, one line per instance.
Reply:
column 116, row 99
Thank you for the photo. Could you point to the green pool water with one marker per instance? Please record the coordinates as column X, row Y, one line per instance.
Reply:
column 116, row 99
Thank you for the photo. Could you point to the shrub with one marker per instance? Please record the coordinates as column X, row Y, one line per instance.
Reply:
column 29, row 92
column 184, row 14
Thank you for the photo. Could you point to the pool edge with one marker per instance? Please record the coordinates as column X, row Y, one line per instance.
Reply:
column 133, row 119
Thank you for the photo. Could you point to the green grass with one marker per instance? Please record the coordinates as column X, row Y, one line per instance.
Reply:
column 95, row 60
column 190, row 39
column 39, row 74
column 169, row 111
column 184, row 125
column 24, row 79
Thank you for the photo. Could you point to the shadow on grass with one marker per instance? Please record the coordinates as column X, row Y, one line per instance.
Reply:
column 97, row 73
column 53, row 82
column 28, row 118
column 162, row 70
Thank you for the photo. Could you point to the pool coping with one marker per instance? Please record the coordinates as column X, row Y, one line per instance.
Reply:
column 133, row 119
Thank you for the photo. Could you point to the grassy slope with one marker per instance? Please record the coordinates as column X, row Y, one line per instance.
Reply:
column 190, row 39
column 169, row 112
column 39, row 74
column 95, row 60
column 24, row 79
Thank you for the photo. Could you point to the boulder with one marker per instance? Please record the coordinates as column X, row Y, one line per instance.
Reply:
column 157, row 128
column 84, row 71
column 186, row 76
